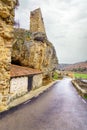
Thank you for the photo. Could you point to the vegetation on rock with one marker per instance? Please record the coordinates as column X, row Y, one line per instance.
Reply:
column 34, row 50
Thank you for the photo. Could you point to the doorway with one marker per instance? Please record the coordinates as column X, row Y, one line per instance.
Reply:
column 30, row 80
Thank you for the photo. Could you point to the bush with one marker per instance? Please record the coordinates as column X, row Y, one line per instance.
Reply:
column 55, row 75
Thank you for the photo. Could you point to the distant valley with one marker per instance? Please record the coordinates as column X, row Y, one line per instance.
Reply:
column 77, row 67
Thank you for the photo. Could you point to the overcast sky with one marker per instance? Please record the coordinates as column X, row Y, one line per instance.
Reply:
column 65, row 23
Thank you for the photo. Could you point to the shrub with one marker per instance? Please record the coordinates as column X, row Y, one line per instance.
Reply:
column 55, row 75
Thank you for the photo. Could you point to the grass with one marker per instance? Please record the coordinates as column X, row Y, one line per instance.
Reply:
column 78, row 75
column 85, row 96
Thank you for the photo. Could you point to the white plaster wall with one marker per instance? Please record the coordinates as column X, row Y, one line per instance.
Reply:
column 19, row 86
column 37, row 81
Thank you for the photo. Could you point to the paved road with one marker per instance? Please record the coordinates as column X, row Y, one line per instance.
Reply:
column 60, row 108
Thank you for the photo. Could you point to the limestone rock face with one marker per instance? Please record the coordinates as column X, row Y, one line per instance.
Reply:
column 36, row 21
column 39, row 36
column 6, row 39
column 35, row 51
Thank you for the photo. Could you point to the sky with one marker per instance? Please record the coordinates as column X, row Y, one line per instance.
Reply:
column 65, row 23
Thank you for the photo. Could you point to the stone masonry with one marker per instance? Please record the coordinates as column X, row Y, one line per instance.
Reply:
column 36, row 21
column 6, row 39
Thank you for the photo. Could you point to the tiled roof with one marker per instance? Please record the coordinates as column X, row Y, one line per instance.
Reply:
column 17, row 71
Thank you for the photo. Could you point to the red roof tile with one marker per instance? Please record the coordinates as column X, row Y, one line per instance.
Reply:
column 17, row 71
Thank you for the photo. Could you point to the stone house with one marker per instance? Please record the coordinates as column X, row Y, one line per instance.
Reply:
column 23, row 80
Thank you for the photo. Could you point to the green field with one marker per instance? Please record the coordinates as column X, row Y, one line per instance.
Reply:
column 78, row 75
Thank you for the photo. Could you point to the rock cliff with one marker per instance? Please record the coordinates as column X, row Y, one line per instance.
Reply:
column 6, row 38
column 35, row 51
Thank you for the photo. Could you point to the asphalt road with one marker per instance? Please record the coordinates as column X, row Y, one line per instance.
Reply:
column 59, row 108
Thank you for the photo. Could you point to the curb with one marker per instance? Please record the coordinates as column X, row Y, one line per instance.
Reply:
column 81, row 91
column 28, row 96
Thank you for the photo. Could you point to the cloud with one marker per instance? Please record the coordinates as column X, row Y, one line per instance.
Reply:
column 65, row 22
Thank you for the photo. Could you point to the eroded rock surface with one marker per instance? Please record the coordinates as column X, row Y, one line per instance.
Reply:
column 34, row 50
column 6, row 39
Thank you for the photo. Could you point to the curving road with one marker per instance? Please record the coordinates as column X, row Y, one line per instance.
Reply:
column 59, row 108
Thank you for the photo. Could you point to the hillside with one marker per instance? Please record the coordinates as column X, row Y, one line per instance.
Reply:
column 62, row 66
column 80, row 67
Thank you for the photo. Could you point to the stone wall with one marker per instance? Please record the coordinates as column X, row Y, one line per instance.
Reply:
column 18, row 87
column 36, row 21
column 6, row 38
column 37, row 81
